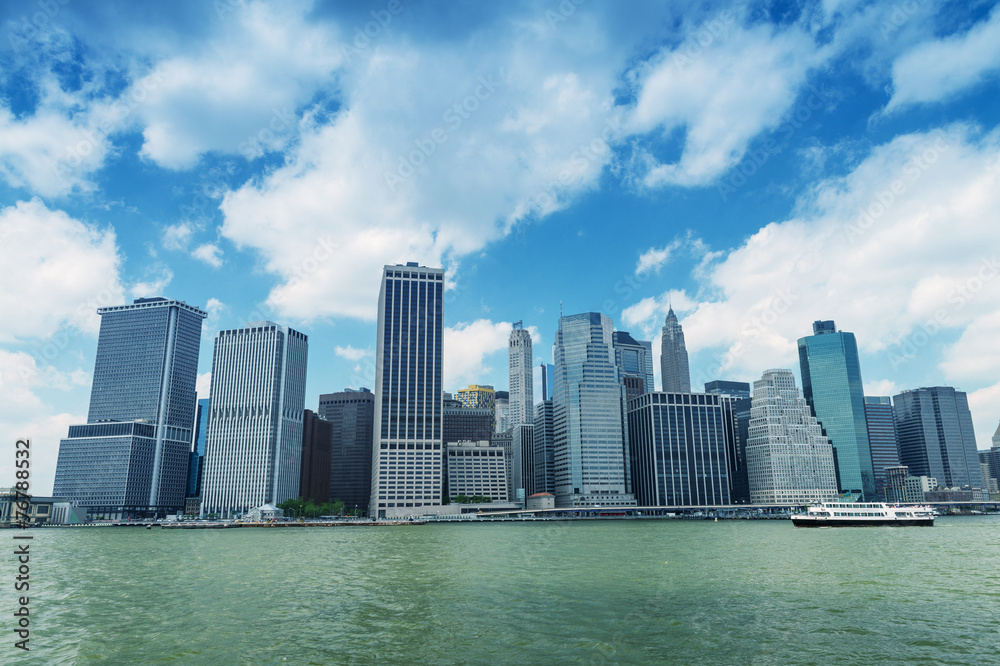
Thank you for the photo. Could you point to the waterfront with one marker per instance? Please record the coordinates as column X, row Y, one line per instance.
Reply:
column 543, row 592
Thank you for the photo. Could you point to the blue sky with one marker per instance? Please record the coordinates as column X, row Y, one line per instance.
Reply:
column 757, row 165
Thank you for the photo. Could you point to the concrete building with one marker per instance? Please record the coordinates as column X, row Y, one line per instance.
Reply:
column 502, row 412
column 674, row 372
column 991, row 460
column 789, row 460
column 317, row 445
column 505, row 440
column 477, row 469
column 40, row 511
column 520, row 362
column 253, row 453
column 587, row 415
column 407, row 448
column 679, row 448
column 465, row 424
column 540, row 502
column 895, row 483
column 936, row 436
column 351, row 414
column 917, row 487
column 832, row 385
column 131, row 458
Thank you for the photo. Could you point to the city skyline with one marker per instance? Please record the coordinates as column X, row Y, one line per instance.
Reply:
column 859, row 188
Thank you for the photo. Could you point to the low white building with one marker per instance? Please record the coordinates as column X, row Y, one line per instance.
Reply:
column 264, row 512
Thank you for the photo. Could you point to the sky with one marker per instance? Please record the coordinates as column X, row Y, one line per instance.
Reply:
column 758, row 166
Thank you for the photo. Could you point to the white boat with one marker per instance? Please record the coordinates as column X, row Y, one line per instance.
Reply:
column 862, row 514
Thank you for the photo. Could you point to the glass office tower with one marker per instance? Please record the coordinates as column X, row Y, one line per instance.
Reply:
column 131, row 458
column 407, row 455
column 196, row 466
column 352, row 413
column 831, row 384
column 881, row 438
column 936, row 436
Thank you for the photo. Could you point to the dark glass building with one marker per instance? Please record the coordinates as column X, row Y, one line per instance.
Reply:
column 544, row 436
column 882, row 439
column 351, row 414
column 466, row 424
column 196, row 462
column 314, row 474
column 131, row 458
column 831, row 384
column 732, row 389
column 936, row 436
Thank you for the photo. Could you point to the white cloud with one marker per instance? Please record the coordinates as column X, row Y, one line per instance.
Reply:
column 984, row 404
column 160, row 277
column 881, row 387
column 352, row 353
column 466, row 348
column 210, row 253
column 653, row 259
column 720, row 95
column 177, row 236
column 57, row 272
column 203, row 385
column 938, row 69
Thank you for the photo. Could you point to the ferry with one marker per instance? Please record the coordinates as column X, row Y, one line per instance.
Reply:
column 843, row 514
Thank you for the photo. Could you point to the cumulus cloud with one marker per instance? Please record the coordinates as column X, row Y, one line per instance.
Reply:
column 203, row 385
column 653, row 259
column 209, row 253
column 467, row 347
column 58, row 271
column 352, row 353
column 938, row 69
column 159, row 276
column 177, row 236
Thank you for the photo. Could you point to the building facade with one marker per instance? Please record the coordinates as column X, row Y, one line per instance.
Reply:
column 351, row 414
column 680, row 444
column 831, row 384
column 589, row 456
column 882, row 440
column 407, row 448
column 936, row 436
column 789, row 459
column 520, row 365
column 544, row 436
column 477, row 469
column 317, row 444
column 465, row 424
column 196, row 464
column 739, row 481
column 523, row 461
column 674, row 372
column 132, row 456
column 253, row 452
column 502, row 412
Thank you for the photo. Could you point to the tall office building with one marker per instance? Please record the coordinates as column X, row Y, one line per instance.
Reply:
column 544, row 436
column 991, row 458
column 546, row 371
column 505, row 440
column 520, row 361
column 196, row 461
column 253, row 454
column 407, row 453
column 674, row 371
column 936, row 436
column 502, row 412
column 587, row 415
column 523, row 461
column 351, row 414
column 789, row 459
column 465, row 424
column 131, row 458
column 317, row 445
column 882, row 439
column 634, row 358
column 476, row 469
column 679, row 448
column 739, row 481
column 831, row 384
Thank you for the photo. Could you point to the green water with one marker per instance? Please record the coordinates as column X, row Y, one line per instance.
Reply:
column 593, row 592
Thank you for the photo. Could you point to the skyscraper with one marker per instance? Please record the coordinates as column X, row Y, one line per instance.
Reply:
column 679, row 448
column 520, row 361
column 502, row 412
column 739, row 482
column 253, row 453
column 634, row 358
column 351, row 414
column 131, row 459
column 587, row 415
column 317, row 444
column 936, row 436
column 674, row 371
column 544, row 437
column 882, row 438
column 546, row 371
column 407, row 453
column 477, row 396
column 789, row 460
column 831, row 384
column 196, row 463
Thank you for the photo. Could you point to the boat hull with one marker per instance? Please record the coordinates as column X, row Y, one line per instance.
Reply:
column 855, row 522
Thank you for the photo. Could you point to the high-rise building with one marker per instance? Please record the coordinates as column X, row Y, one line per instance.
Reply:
column 587, row 415
column 674, row 371
column 895, row 483
column 314, row 474
column 739, row 482
column 882, row 438
column 544, row 436
column 634, row 358
column 936, row 436
column 520, row 362
column 351, row 414
column 196, row 461
column 546, row 371
column 505, row 440
column 831, row 384
column 465, row 424
column 991, row 458
column 789, row 459
column 477, row 396
column 523, row 461
column 502, row 413
column 679, row 444
column 476, row 469
column 253, row 454
column 131, row 458
column 407, row 451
